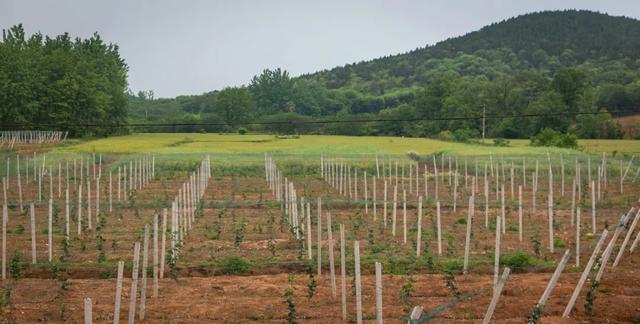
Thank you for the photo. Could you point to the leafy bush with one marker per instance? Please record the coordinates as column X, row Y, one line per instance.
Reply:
column 501, row 142
column 550, row 137
column 517, row 261
column 242, row 131
column 235, row 265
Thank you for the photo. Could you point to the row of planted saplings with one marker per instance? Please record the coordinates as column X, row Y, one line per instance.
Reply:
column 184, row 207
column 24, row 137
column 87, row 213
column 290, row 202
column 134, row 176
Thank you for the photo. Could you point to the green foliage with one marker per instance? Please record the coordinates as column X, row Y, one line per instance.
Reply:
column 15, row 265
column 311, row 285
column 234, row 265
column 518, row 261
column 556, row 62
column 62, row 81
column 406, row 292
column 550, row 137
column 291, row 305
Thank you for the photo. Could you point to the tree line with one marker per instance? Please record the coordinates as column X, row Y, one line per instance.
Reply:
column 61, row 83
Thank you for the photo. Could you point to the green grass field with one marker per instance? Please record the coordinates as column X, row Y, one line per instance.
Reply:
column 317, row 144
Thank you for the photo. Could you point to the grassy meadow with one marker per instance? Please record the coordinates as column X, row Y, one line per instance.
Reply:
column 317, row 144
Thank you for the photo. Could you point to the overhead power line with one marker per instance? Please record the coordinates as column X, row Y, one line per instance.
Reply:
column 321, row 121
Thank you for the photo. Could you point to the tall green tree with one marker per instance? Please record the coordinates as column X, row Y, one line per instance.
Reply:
column 234, row 105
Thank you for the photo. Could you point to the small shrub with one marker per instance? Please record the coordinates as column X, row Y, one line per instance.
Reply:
column 501, row 142
column 550, row 137
column 235, row 265
column 517, row 261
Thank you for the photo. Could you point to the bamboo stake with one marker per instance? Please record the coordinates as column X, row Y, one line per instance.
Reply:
column 439, row 228
column 496, row 262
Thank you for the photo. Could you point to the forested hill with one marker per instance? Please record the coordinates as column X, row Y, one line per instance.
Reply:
column 541, row 40
column 540, row 63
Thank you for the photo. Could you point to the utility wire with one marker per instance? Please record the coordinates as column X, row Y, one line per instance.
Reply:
column 324, row 121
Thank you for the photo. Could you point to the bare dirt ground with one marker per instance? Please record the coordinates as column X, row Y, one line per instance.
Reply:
column 244, row 205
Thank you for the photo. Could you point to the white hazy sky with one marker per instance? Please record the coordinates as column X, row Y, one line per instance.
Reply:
column 190, row 47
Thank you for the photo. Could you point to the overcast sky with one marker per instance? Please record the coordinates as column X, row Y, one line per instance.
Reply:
column 190, row 47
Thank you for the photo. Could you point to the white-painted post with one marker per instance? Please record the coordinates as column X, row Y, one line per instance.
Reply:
column 50, row 230
column 626, row 239
column 319, row 227
column 309, row 249
column 356, row 259
column 343, row 274
column 395, row 209
column 467, row 243
column 163, row 244
column 404, row 216
column 496, row 260
column 331, row 259
column 585, row 274
column 155, row 255
column 145, row 260
column 593, row 208
column 439, row 228
column 32, row 212
column 5, row 220
column 419, row 232
column 554, row 278
column 134, row 283
column 578, row 228
column 379, row 318
column 88, row 316
column 116, row 309
column 550, row 221
column 496, row 295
